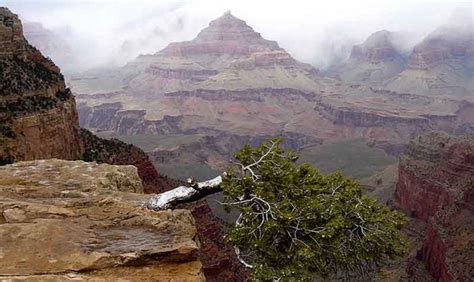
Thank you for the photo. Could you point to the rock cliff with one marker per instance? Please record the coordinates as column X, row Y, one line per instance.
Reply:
column 71, row 220
column 436, row 185
column 37, row 112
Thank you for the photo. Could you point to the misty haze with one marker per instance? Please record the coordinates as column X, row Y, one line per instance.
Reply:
column 186, row 140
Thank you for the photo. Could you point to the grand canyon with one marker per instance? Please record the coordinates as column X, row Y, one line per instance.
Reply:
column 80, row 150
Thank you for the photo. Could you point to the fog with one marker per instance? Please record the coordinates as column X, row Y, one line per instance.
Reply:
column 110, row 33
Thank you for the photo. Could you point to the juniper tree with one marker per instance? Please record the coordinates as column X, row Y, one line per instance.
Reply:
column 294, row 221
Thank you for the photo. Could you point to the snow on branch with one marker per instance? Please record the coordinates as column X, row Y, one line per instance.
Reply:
column 183, row 194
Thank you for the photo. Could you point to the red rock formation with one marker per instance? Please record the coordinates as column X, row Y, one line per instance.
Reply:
column 433, row 253
column 420, row 197
column 436, row 184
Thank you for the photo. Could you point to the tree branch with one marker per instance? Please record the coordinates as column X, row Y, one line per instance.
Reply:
column 185, row 194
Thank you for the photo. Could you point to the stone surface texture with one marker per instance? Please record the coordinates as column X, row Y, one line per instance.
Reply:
column 72, row 220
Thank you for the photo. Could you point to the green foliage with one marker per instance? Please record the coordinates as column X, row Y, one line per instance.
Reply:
column 296, row 222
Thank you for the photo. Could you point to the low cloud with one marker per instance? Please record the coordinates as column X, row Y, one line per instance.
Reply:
column 110, row 33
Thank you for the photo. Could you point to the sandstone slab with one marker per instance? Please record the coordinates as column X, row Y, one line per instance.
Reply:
column 63, row 220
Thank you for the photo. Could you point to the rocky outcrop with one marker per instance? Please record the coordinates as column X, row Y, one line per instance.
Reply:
column 63, row 220
column 84, row 220
column 119, row 153
column 37, row 112
column 436, row 185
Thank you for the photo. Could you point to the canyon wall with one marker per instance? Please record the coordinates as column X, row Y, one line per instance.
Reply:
column 37, row 113
column 436, row 185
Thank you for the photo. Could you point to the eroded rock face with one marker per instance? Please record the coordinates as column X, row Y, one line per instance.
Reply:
column 63, row 220
column 436, row 184
column 38, row 117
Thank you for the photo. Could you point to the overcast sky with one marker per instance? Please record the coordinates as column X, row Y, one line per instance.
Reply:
column 316, row 32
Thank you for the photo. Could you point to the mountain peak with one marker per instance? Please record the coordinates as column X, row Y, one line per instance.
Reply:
column 227, row 27
column 224, row 35
column 377, row 47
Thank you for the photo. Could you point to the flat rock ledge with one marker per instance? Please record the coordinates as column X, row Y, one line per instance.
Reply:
column 72, row 220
